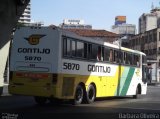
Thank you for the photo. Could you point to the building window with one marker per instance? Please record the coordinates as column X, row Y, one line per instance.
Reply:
column 155, row 37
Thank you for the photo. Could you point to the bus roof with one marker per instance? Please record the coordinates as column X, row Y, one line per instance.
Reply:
column 70, row 34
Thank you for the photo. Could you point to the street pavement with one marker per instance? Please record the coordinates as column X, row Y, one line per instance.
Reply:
column 24, row 107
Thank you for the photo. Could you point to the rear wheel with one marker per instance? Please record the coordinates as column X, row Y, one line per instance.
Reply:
column 78, row 95
column 136, row 95
column 90, row 94
column 40, row 100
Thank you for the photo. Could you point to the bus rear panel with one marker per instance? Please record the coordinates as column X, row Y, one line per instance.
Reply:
column 34, row 61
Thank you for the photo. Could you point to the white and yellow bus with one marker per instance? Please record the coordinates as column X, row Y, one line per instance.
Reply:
column 51, row 63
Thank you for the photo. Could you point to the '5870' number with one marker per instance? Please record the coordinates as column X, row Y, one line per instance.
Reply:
column 71, row 66
column 32, row 58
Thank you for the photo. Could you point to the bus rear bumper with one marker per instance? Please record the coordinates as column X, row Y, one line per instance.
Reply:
column 33, row 90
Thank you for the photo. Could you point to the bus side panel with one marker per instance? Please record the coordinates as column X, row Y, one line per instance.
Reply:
column 104, row 76
column 133, row 77
column 106, row 85
column 126, row 79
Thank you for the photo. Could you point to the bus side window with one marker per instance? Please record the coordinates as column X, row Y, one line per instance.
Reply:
column 102, row 57
column 73, row 47
column 85, row 50
column 138, row 62
column 120, row 56
column 111, row 55
column 116, row 56
column 99, row 53
column 80, row 49
column 134, row 60
column 66, row 47
column 124, row 57
column 127, row 58
column 130, row 59
column 89, row 51
column 93, row 51
column 106, row 54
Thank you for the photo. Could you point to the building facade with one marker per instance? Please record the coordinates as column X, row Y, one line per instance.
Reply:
column 26, row 16
column 149, row 21
column 99, row 35
column 124, row 29
column 120, row 20
column 74, row 24
column 149, row 43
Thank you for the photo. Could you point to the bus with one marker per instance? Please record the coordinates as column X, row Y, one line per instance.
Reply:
column 50, row 63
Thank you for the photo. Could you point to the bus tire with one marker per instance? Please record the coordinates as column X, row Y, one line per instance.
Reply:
column 78, row 95
column 136, row 95
column 90, row 94
column 40, row 100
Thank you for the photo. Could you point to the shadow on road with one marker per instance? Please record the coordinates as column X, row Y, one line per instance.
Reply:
column 26, row 108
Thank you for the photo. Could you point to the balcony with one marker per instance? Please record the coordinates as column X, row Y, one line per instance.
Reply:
column 151, row 57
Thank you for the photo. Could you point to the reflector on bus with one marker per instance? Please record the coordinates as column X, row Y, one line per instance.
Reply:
column 33, row 69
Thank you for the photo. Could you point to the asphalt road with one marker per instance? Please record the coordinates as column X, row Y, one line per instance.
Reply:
column 23, row 107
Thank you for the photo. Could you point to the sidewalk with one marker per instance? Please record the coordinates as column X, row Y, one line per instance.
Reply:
column 153, row 84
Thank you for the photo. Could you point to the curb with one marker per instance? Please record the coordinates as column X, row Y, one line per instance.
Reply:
column 154, row 84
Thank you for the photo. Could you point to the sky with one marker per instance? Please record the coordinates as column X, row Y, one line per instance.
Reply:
column 98, row 13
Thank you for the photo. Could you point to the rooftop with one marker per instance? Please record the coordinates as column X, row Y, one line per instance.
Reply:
column 93, row 33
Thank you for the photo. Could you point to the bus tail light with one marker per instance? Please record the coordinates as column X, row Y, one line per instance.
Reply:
column 32, row 75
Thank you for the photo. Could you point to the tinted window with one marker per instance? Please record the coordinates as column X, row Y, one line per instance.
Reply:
column 111, row 55
column 73, row 48
column 85, row 50
column 115, row 56
column 80, row 49
column 68, row 47
column 106, row 54
column 94, row 51
column 99, row 55
column 64, row 46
